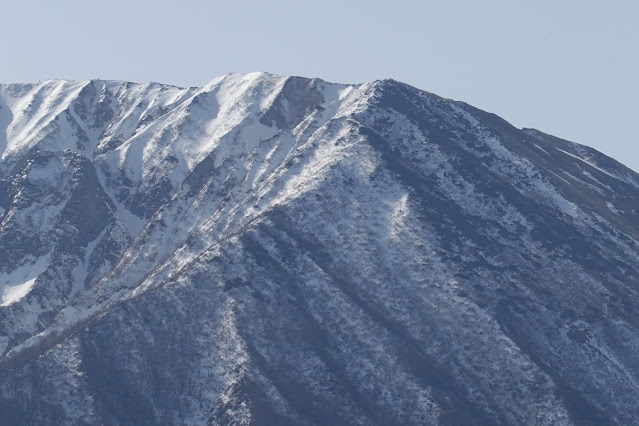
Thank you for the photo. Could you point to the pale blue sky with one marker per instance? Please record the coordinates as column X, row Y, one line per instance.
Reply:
column 569, row 68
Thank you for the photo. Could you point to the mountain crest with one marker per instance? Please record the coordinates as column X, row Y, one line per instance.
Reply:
column 288, row 250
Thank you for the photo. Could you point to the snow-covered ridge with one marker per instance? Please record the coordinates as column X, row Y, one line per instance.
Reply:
column 142, row 135
column 124, row 118
column 150, row 137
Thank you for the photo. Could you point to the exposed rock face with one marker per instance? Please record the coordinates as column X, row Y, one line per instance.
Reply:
column 272, row 250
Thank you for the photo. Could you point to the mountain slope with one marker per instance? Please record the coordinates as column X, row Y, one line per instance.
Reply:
column 279, row 250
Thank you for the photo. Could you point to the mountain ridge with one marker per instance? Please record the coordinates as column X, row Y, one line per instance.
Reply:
column 307, row 253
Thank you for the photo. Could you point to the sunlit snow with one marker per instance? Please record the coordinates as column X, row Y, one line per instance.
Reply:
column 19, row 282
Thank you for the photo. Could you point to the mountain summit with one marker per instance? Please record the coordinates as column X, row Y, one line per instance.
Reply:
column 283, row 250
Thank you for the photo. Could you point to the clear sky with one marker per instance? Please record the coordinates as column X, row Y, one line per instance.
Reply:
column 566, row 67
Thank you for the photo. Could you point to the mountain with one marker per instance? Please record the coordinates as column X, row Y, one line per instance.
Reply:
column 283, row 250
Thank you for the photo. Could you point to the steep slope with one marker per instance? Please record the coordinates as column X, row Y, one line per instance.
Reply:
column 278, row 250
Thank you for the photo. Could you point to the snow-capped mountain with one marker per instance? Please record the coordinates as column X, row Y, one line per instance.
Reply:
column 282, row 250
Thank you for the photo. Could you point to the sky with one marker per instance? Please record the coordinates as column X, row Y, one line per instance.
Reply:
column 569, row 68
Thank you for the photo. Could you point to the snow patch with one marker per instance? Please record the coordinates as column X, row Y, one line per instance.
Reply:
column 612, row 207
column 540, row 148
column 594, row 166
column 466, row 115
column 132, row 223
column 400, row 214
column 18, row 283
